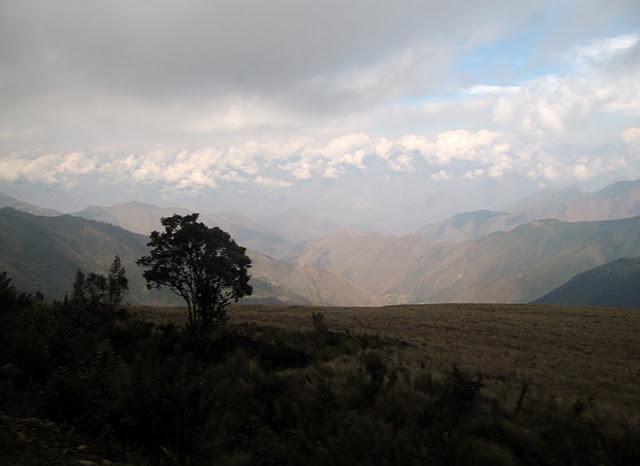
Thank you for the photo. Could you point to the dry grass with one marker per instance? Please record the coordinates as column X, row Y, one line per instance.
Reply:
column 565, row 353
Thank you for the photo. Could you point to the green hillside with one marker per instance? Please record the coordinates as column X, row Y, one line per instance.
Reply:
column 615, row 284
column 43, row 253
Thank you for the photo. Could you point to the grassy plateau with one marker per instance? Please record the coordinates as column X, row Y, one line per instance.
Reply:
column 561, row 352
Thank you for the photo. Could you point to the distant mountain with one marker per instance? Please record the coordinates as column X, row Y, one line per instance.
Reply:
column 302, row 284
column 133, row 216
column 514, row 266
column 470, row 226
column 298, row 226
column 616, row 201
column 614, row 284
column 8, row 201
column 549, row 203
column 43, row 253
column 527, row 262
column 385, row 266
column 145, row 218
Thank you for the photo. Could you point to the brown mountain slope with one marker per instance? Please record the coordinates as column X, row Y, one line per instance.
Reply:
column 296, row 282
column 515, row 266
column 471, row 225
column 385, row 266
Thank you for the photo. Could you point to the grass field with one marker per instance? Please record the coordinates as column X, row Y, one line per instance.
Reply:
column 563, row 353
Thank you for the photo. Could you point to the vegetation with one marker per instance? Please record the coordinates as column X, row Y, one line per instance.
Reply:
column 202, row 265
column 97, row 290
column 564, row 353
column 254, row 394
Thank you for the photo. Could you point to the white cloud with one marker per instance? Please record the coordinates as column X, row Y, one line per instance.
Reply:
column 604, row 49
column 484, row 89
column 582, row 172
column 481, row 153
column 441, row 175
column 270, row 182
column 48, row 168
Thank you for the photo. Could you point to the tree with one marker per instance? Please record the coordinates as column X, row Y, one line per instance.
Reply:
column 203, row 265
column 117, row 283
column 96, row 289
column 10, row 298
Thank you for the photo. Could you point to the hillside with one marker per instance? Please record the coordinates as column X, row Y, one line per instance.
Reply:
column 382, row 265
column 514, row 266
column 144, row 218
column 280, row 281
column 43, row 254
column 522, row 264
column 470, row 226
column 8, row 201
column 615, row 284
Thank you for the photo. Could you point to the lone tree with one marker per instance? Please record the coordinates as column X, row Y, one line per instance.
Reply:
column 202, row 265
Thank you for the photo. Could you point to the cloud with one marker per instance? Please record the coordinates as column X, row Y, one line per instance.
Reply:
column 631, row 136
column 294, row 160
column 48, row 168
column 604, row 49
column 484, row 89
column 582, row 172
column 89, row 73
column 227, row 96
column 441, row 175
column 270, row 182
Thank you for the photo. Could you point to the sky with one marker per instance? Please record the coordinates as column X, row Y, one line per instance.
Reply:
column 388, row 115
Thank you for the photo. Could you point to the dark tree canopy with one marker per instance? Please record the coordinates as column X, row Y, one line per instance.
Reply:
column 203, row 265
column 97, row 289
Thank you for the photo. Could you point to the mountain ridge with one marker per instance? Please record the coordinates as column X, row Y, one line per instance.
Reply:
column 42, row 253
column 614, row 284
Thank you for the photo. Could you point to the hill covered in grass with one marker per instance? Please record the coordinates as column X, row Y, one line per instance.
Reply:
column 614, row 284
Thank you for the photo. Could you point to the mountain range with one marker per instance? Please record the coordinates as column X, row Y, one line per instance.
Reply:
column 42, row 253
column 615, row 201
column 516, row 255
column 513, row 266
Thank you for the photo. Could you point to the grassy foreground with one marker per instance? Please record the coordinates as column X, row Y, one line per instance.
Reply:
column 85, row 384
column 561, row 352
